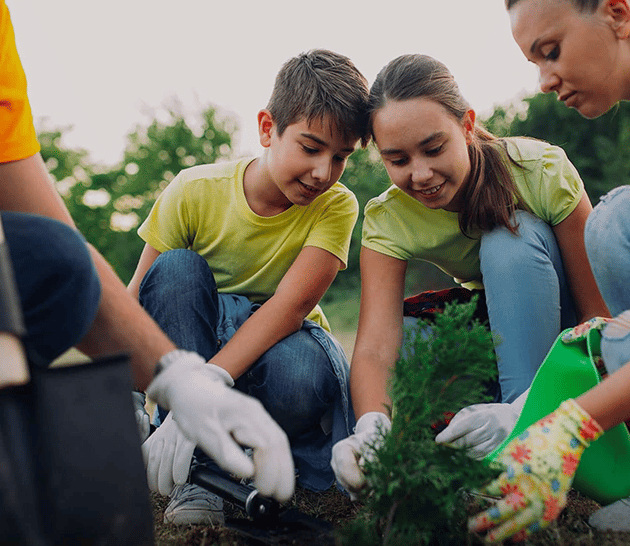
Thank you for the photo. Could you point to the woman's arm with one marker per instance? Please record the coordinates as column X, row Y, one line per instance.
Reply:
column 120, row 324
column 609, row 401
column 379, row 334
column 301, row 288
column 570, row 235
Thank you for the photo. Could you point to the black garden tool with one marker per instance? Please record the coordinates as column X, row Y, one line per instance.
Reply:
column 267, row 523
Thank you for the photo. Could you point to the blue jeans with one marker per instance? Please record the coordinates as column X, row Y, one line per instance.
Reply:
column 528, row 297
column 607, row 238
column 302, row 381
column 58, row 285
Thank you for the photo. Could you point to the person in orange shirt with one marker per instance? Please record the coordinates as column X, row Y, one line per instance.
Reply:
column 71, row 296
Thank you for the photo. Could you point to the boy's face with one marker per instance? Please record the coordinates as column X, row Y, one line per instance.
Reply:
column 306, row 160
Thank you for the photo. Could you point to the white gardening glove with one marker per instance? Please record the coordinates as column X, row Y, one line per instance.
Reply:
column 482, row 427
column 220, row 420
column 167, row 456
column 142, row 416
column 349, row 454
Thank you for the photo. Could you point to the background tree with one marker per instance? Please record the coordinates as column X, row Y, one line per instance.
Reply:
column 108, row 204
column 599, row 148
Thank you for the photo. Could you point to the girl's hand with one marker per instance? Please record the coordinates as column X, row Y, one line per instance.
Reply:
column 349, row 453
column 540, row 466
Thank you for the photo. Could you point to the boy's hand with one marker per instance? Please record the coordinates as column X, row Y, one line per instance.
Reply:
column 540, row 465
column 220, row 420
column 349, row 453
column 167, row 455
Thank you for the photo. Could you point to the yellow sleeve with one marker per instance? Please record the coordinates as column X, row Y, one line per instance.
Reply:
column 333, row 230
column 168, row 224
column 18, row 139
column 549, row 184
column 382, row 233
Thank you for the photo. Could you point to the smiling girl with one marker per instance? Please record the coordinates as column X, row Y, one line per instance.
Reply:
column 501, row 215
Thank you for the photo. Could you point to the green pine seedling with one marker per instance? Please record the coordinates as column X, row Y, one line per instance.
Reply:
column 415, row 493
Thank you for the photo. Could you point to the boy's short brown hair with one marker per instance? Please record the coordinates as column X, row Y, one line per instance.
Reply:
column 321, row 84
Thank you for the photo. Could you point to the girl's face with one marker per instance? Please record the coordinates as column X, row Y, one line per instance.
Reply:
column 583, row 57
column 425, row 150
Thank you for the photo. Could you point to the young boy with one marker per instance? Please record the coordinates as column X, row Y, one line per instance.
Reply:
column 238, row 256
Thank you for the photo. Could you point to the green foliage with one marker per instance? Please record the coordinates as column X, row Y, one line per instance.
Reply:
column 599, row 148
column 414, row 486
column 109, row 204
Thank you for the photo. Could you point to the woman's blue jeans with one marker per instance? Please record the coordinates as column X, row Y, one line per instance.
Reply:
column 528, row 297
column 607, row 238
column 58, row 285
column 302, row 381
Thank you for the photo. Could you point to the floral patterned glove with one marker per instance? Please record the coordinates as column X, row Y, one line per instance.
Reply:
column 580, row 331
column 540, row 465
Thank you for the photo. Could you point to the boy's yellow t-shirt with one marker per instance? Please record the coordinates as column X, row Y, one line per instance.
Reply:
column 399, row 226
column 204, row 209
column 18, row 139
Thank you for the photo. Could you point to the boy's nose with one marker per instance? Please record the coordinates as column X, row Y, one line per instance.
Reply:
column 322, row 170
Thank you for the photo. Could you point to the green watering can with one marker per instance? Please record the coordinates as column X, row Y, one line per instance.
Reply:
column 567, row 372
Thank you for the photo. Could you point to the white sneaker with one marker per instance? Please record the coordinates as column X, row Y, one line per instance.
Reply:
column 192, row 504
column 614, row 517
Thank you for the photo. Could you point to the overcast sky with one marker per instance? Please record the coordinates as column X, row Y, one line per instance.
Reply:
column 101, row 66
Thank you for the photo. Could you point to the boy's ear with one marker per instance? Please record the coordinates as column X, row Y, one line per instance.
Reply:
column 266, row 127
column 617, row 13
column 469, row 125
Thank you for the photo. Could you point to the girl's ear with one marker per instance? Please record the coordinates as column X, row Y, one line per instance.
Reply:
column 617, row 14
column 266, row 127
column 469, row 125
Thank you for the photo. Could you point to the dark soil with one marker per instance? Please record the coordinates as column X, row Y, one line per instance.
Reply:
column 334, row 509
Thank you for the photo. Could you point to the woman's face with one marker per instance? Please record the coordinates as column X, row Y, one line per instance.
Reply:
column 583, row 57
column 425, row 150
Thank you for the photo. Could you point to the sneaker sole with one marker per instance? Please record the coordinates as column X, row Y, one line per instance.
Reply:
column 195, row 517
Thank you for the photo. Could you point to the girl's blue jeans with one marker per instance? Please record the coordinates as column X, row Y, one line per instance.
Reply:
column 57, row 282
column 302, row 381
column 528, row 297
column 607, row 238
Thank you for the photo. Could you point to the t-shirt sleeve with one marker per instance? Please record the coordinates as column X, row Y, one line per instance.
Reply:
column 554, row 188
column 333, row 229
column 168, row 225
column 381, row 231
column 18, row 139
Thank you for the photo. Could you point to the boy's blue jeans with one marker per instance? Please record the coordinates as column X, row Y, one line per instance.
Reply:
column 528, row 297
column 58, row 285
column 302, row 381
column 607, row 238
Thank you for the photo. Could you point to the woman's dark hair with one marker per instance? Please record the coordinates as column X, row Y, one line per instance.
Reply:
column 580, row 5
column 491, row 196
